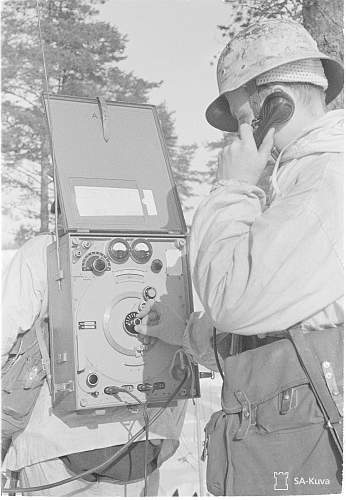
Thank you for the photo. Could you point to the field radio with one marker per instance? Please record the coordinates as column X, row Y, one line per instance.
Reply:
column 123, row 244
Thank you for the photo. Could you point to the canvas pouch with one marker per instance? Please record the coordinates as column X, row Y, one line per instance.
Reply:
column 270, row 437
column 22, row 378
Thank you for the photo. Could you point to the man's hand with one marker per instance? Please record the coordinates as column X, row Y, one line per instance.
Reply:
column 198, row 334
column 150, row 328
column 241, row 160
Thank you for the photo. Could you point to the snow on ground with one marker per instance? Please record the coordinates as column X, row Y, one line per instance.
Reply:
column 185, row 471
column 6, row 257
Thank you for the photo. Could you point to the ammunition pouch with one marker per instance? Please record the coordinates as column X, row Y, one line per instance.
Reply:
column 271, row 436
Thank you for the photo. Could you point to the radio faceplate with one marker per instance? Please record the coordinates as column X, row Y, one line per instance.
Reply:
column 107, row 279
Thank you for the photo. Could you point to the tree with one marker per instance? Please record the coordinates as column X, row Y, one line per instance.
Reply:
column 322, row 18
column 82, row 58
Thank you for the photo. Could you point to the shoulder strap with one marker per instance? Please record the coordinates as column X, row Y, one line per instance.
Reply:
column 41, row 329
column 311, row 366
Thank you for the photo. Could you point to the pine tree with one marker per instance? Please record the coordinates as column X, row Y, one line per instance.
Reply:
column 82, row 59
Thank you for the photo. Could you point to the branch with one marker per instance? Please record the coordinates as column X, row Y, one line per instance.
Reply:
column 325, row 15
column 25, row 99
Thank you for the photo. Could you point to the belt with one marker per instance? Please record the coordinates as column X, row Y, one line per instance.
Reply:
column 235, row 344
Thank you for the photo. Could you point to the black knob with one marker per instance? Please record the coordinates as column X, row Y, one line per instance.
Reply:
column 99, row 265
column 149, row 292
column 156, row 265
column 130, row 322
column 92, row 379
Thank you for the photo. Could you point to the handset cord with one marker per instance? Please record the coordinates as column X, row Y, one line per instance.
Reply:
column 217, row 354
column 109, row 460
column 146, row 426
column 50, row 125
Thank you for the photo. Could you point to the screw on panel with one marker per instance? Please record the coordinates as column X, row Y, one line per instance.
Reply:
column 180, row 243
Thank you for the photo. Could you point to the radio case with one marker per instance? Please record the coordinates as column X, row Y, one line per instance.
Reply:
column 122, row 242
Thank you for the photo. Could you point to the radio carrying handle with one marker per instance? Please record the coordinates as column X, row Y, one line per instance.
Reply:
column 104, row 116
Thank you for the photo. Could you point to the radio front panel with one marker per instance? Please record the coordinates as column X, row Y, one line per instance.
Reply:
column 94, row 343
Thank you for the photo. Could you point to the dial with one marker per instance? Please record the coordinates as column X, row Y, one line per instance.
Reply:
column 99, row 265
column 96, row 262
column 130, row 322
column 119, row 250
column 141, row 251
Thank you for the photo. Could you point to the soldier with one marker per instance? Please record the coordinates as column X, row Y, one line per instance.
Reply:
column 45, row 448
column 259, row 270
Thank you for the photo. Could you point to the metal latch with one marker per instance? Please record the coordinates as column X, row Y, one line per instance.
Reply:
column 210, row 374
column 64, row 386
column 62, row 357
column 246, row 419
column 288, row 400
column 205, row 448
column 330, row 379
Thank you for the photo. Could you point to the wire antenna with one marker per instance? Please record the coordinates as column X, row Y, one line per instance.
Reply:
column 59, row 273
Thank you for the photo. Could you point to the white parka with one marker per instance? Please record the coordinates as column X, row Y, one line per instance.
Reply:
column 257, row 269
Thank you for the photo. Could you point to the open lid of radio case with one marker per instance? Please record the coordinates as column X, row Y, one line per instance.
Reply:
column 112, row 167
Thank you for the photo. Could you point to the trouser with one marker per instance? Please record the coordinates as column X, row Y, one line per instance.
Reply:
column 54, row 470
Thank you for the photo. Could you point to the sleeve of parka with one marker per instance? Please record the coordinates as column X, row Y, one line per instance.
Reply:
column 259, row 271
column 23, row 287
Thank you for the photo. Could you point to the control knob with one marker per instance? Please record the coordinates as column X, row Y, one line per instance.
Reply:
column 99, row 265
column 149, row 292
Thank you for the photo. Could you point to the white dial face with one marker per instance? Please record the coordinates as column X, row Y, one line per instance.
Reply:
column 119, row 251
column 141, row 251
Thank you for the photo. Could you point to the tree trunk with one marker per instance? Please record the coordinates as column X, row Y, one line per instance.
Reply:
column 324, row 20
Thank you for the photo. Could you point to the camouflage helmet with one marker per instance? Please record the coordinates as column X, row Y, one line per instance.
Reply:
column 258, row 49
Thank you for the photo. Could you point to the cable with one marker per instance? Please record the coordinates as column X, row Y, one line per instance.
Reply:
column 217, row 354
column 106, row 462
column 146, row 445
column 146, row 426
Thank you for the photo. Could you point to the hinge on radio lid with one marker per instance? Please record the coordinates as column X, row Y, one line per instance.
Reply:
column 59, row 275
column 64, row 386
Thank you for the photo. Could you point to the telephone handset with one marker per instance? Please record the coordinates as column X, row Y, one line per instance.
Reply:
column 276, row 110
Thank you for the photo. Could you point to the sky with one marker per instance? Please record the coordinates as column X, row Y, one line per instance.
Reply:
column 175, row 41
